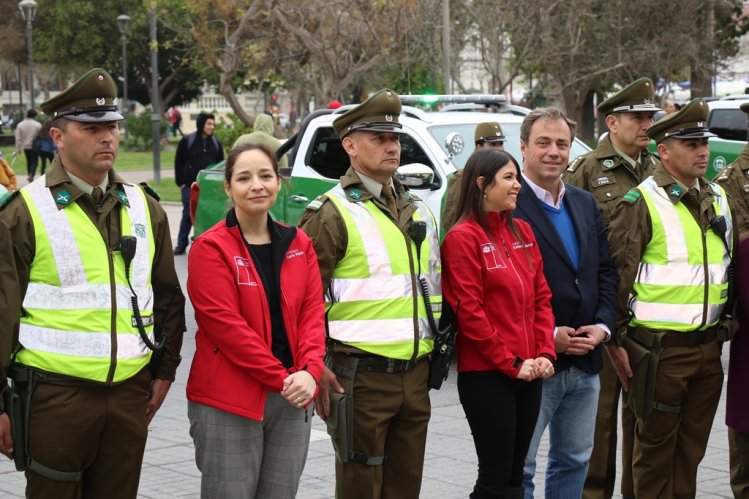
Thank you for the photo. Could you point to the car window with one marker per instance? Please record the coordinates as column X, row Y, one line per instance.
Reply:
column 512, row 143
column 729, row 124
column 327, row 157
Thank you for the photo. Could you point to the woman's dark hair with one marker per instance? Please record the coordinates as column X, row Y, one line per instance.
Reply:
column 247, row 146
column 482, row 163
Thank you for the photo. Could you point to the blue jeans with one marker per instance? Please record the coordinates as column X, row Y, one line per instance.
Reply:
column 569, row 402
column 185, row 224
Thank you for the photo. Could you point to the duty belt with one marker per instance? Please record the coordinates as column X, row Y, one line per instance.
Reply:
column 674, row 339
column 377, row 364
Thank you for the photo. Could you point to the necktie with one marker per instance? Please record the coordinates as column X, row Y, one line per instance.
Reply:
column 390, row 200
column 98, row 195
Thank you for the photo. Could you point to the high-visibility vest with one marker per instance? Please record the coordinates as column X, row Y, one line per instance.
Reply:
column 374, row 300
column 78, row 317
column 682, row 281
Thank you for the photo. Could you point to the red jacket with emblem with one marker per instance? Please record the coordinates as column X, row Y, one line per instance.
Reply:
column 234, row 366
column 504, row 315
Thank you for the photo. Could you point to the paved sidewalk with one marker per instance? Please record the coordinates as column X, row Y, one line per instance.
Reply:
column 169, row 469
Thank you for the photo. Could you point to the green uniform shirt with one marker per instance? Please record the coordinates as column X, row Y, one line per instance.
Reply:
column 630, row 232
column 607, row 175
column 17, row 249
column 735, row 180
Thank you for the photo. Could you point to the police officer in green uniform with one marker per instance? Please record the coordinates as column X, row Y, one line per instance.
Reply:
column 487, row 134
column 70, row 335
column 379, row 335
column 735, row 180
column 620, row 162
column 673, row 288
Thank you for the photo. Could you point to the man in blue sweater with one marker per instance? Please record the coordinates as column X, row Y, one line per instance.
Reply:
column 569, row 230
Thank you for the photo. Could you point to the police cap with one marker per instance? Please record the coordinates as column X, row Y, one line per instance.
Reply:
column 90, row 99
column 489, row 131
column 379, row 113
column 635, row 97
column 690, row 122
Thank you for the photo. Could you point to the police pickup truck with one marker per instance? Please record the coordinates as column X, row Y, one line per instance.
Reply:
column 433, row 145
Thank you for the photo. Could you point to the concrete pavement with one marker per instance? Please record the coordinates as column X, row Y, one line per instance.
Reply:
column 169, row 469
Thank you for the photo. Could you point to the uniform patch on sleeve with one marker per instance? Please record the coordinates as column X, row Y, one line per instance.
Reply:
column 316, row 203
column 632, row 196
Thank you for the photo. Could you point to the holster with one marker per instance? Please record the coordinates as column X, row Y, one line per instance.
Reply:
column 340, row 422
column 18, row 405
column 644, row 349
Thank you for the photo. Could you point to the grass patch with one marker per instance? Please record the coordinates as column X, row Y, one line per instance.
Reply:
column 167, row 189
column 126, row 160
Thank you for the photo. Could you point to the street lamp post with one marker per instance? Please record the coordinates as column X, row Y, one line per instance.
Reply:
column 28, row 12
column 123, row 22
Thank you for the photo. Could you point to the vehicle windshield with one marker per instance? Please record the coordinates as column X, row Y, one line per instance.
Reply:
column 512, row 144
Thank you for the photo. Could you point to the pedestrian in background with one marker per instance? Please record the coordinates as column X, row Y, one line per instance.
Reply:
column 256, row 289
column 77, row 245
column 494, row 280
column 262, row 133
column 619, row 163
column 566, row 222
column 673, row 289
column 378, row 327
column 45, row 146
column 26, row 132
column 194, row 152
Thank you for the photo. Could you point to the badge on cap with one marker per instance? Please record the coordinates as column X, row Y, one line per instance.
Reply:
column 675, row 191
column 608, row 163
column 63, row 198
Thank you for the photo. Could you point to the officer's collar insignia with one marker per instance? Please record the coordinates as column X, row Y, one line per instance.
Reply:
column 140, row 230
column 608, row 163
column 63, row 198
column 675, row 191
column 354, row 194
column 122, row 197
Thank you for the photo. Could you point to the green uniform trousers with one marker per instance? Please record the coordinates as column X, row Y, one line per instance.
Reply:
column 669, row 446
column 391, row 413
column 100, row 430
column 599, row 484
column 738, row 446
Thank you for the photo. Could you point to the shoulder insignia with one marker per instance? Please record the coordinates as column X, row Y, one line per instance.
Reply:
column 63, row 198
column 574, row 164
column 149, row 190
column 5, row 198
column 316, row 203
column 632, row 196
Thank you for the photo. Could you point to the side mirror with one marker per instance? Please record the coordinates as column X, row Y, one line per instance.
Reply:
column 415, row 175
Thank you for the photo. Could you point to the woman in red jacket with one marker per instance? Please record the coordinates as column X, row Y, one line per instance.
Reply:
column 493, row 278
column 256, row 289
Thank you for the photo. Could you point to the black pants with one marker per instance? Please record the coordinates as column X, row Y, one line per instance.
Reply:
column 44, row 157
column 502, row 414
column 32, row 159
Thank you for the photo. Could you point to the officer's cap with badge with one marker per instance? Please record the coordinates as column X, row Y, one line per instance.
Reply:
column 690, row 122
column 638, row 96
column 379, row 113
column 489, row 131
column 90, row 100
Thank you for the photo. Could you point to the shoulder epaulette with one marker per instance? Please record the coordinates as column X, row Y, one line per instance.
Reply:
column 573, row 165
column 632, row 196
column 316, row 203
column 723, row 174
column 150, row 191
column 5, row 198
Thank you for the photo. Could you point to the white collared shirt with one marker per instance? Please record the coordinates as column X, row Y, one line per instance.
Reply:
column 545, row 196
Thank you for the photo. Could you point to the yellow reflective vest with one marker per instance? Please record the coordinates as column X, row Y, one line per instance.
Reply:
column 78, row 318
column 374, row 300
column 682, row 282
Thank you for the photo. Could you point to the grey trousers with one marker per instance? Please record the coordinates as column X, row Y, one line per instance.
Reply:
column 245, row 459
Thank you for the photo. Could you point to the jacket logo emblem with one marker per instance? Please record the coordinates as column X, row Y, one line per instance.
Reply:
column 294, row 253
column 140, row 230
column 243, row 272
column 492, row 260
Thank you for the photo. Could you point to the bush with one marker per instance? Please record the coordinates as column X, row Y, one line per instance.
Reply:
column 228, row 133
column 139, row 131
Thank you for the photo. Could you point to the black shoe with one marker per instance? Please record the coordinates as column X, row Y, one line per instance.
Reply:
column 179, row 250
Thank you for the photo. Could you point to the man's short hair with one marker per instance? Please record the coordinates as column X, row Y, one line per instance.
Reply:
column 550, row 113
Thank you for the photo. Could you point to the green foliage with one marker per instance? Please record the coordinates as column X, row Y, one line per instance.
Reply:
column 139, row 130
column 228, row 133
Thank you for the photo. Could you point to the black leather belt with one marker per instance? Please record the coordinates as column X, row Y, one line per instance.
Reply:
column 673, row 339
column 378, row 364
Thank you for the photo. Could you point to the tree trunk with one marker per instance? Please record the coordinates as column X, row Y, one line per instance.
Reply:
column 703, row 61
